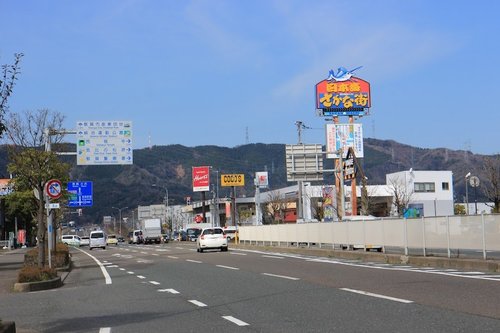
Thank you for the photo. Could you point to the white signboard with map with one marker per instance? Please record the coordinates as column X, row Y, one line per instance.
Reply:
column 104, row 142
column 344, row 136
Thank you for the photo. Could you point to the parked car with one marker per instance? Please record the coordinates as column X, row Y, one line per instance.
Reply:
column 73, row 240
column 111, row 240
column 165, row 237
column 84, row 241
column 97, row 239
column 212, row 238
column 121, row 239
column 230, row 232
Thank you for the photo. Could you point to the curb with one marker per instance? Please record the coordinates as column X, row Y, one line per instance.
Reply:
column 37, row 286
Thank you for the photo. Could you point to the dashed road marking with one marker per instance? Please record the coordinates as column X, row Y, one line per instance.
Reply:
column 197, row 303
column 172, row 291
column 235, row 321
column 281, row 276
column 154, row 282
column 401, row 300
column 195, row 261
column 228, row 267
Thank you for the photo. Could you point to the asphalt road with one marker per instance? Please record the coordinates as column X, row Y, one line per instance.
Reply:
column 171, row 287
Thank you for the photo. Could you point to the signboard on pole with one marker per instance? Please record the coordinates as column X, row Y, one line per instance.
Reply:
column 344, row 136
column 53, row 188
column 304, row 162
column 232, row 180
column 80, row 194
column 201, row 178
column 262, row 179
column 104, row 142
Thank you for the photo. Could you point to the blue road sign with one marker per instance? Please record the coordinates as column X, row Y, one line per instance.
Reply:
column 80, row 194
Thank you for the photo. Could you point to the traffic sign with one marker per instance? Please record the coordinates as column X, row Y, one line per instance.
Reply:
column 80, row 194
column 104, row 142
column 53, row 188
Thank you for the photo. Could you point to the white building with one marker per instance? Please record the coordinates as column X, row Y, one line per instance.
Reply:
column 429, row 192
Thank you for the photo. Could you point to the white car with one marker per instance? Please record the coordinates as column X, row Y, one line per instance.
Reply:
column 97, row 239
column 84, row 240
column 72, row 240
column 211, row 238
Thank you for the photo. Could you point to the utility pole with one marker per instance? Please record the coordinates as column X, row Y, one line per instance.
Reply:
column 120, row 216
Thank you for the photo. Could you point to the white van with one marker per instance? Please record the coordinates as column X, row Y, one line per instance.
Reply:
column 72, row 240
column 97, row 239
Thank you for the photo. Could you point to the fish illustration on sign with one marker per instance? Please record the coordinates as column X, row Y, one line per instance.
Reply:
column 342, row 74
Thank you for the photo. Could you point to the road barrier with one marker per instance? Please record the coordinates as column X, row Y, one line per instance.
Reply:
column 425, row 236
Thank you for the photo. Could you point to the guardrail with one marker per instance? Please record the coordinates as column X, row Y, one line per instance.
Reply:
column 447, row 235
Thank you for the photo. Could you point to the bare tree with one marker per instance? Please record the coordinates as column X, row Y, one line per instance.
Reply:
column 401, row 193
column 491, row 188
column 7, row 82
column 32, row 165
column 276, row 206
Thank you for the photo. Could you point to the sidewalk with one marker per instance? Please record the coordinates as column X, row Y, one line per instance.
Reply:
column 11, row 261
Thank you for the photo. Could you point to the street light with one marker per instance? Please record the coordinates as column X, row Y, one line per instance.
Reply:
column 467, row 193
column 120, row 210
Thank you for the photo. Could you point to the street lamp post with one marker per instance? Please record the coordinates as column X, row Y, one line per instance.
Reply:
column 120, row 216
column 467, row 193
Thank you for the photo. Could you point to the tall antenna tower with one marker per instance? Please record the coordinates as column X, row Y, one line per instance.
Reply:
column 149, row 141
column 247, row 140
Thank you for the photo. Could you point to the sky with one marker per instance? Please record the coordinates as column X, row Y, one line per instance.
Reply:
column 231, row 72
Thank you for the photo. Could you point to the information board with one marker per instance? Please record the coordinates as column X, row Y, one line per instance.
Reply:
column 80, row 194
column 104, row 142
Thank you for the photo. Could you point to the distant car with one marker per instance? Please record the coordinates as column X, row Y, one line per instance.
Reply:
column 97, row 239
column 135, row 237
column 84, row 240
column 72, row 240
column 230, row 232
column 193, row 233
column 165, row 238
column 111, row 240
column 211, row 238
column 179, row 235
column 121, row 239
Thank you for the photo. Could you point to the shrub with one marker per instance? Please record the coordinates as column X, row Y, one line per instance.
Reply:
column 35, row 274
column 60, row 256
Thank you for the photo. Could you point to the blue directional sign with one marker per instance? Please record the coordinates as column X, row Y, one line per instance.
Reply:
column 80, row 194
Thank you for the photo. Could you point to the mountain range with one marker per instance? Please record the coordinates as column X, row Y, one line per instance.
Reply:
column 169, row 168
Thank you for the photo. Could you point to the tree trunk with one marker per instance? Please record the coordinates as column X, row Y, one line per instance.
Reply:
column 41, row 233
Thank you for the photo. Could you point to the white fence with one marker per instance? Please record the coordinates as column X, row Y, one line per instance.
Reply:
column 472, row 233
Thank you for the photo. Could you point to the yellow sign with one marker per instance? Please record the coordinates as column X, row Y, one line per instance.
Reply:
column 232, row 180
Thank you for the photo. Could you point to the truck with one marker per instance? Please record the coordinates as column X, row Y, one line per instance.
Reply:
column 151, row 230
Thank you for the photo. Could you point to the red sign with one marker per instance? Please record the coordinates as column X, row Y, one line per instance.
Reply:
column 198, row 218
column 352, row 95
column 53, row 188
column 201, row 179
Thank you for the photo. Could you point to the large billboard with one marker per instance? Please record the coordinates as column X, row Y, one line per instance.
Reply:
column 201, row 179
column 342, row 94
column 343, row 136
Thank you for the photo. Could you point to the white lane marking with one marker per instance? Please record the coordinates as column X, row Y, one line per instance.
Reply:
column 281, row 276
column 238, row 254
column 155, row 254
column 235, row 321
column 179, row 248
column 141, row 277
column 172, row 291
column 272, row 257
column 228, row 267
column 195, row 261
column 401, row 300
column 172, row 257
column 122, row 269
column 105, row 330
column 144, row 252
column 103, row 268
column 197, row 303
column 130, row 272
column 469, row 273
column 162, row 250
column 112, row 266
column 154, row 282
